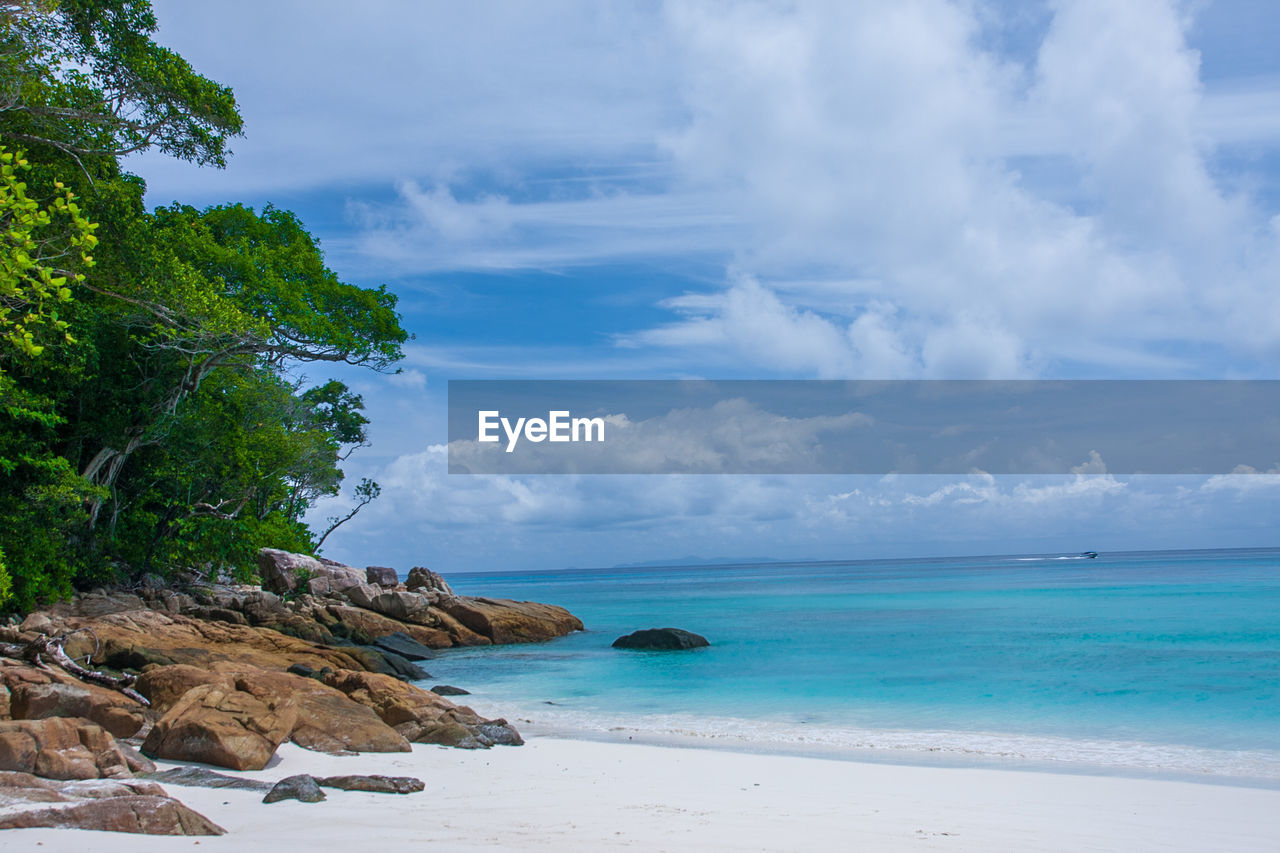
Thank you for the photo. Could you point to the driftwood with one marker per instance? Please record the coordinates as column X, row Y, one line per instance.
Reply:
column 37, row 650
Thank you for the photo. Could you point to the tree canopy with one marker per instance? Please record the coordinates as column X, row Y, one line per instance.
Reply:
column 150, row 415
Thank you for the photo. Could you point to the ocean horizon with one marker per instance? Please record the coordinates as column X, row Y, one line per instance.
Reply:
column 1143, row 662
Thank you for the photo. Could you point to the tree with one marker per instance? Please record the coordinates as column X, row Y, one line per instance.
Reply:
column 85, row 77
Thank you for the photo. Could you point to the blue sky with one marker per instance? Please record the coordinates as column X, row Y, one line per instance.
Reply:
column 768, row 190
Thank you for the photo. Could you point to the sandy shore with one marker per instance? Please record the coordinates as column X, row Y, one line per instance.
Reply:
column 568, row 795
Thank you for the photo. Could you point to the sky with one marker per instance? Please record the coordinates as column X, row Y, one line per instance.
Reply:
column 914, row 189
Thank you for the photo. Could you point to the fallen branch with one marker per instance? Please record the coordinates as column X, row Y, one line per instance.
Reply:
column 35, row 651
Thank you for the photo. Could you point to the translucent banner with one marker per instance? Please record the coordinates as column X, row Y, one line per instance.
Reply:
column 864, row 427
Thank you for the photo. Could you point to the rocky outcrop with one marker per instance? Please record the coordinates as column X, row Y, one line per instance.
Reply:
column 661, row 639
column 61, row 748
column 227, row 728
column 27, row 802
column 232, row 671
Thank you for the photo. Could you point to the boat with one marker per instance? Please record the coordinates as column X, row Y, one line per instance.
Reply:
column 1092, row 555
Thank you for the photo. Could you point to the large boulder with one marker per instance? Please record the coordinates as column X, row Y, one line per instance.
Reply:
column 165, row 685
column 327, row 721
column 421, row 716
column 35, row 694
column 283, row 572
column 661, row 639
column 60, row 748
column 109, row 806
column 506, row 621
column 226, row 728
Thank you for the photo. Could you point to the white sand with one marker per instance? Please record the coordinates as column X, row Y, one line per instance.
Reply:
column 566, row 795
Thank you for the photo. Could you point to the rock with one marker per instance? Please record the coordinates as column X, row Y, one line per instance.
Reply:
column 111, row 806
column 369, row 626
column 421, row 716
column 143, row 637
column 422, row 578
column 449, row 690
column 226, row 728
column 281, row 570
column 327, row 720
column 262, row 607
column 165, row 685
column 396, row 604
column 388, row 663
column 374, row 784
column 304, row 670
column 382, row 576
column 36, row 694
column 661, row 639
column 301, row 787
column 505, row 621
column 403, row 645
column 199, row 777
column 37, row 623
column 60, row 748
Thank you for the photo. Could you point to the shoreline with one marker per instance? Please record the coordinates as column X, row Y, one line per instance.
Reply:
column 1055, row 754
column 561, row 794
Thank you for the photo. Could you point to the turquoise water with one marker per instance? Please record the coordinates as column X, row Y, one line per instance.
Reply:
column 1150, row 659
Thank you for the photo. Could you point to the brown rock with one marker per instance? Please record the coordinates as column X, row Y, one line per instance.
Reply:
column 60, row 748
column 421, row 716
column 505, row 621
column 460, row 634
column 142, row 637
column 135, row 813
column 327, row 720
column 113, row 711
column 226, row 728
column 165, row 685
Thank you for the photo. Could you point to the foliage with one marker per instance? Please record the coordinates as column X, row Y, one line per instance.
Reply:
column 32, row 285
column 85, row 77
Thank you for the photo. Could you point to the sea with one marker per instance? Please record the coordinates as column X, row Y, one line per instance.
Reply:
column 1162, row 663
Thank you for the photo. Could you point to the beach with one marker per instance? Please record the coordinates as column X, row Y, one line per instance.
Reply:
column 577, row 795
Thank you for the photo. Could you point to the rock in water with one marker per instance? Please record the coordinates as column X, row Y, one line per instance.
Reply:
column 402, row 644
column 449, row 690
column 301, row 787
column 661, row 639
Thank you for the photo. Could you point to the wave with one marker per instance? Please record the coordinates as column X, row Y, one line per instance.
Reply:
column 960, row 747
